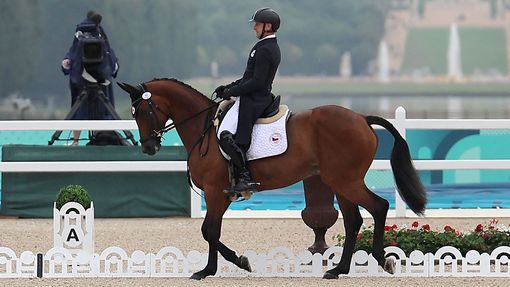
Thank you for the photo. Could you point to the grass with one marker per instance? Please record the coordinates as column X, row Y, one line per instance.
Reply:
column 482, row 50
column 426, row 49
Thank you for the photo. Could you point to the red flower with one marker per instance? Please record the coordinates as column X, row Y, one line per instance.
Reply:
column 415, row 224
column 491, row 227
column 479, row 228
column 360, row 236
column 426, row 227
column 448, row 228
column 394, row 226
column 387, row 228
column 485, row 236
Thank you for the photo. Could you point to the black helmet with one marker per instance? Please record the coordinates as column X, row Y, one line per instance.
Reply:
column 266, row 15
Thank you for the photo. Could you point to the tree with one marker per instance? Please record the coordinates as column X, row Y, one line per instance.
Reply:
column 16, row 42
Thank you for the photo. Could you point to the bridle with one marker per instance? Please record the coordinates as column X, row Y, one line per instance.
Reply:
column 152, row 113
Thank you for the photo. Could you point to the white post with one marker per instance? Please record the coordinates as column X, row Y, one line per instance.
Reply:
column 400, row 118
column 195, row 201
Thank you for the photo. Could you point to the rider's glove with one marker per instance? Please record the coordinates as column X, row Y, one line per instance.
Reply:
column 219, row 91
column 227, row 93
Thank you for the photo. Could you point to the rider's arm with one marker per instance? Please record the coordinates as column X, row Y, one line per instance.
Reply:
column 260, row 73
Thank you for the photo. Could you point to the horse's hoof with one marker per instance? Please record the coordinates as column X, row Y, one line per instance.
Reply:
column 329, row 275
column 244, row 263
column 389, row 265
column 198, row 275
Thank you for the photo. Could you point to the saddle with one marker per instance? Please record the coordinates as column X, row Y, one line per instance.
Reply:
column 269, row 136
column 271, row 114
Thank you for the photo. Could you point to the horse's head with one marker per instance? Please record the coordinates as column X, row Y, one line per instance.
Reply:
column 149, row 118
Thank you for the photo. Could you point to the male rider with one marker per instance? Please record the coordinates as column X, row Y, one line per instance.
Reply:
column 254, row 92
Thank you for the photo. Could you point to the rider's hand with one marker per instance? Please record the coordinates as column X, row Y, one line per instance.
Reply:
column 66, row 64
column 226, row 94
column 219, row 91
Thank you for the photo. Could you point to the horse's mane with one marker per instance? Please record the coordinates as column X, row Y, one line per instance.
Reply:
column 180, row 83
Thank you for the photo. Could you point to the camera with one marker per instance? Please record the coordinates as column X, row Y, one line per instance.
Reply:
column 92, row 50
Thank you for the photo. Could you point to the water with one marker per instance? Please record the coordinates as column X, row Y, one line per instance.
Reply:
column 440, row 196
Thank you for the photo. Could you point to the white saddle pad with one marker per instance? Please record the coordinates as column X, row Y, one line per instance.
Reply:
column 266, row 139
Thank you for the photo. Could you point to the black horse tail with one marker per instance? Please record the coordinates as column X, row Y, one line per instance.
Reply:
column 408, row 183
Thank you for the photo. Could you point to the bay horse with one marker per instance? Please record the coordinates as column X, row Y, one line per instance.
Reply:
column 331, row 141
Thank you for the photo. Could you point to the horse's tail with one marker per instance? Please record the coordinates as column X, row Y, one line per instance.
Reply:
column 408, row 183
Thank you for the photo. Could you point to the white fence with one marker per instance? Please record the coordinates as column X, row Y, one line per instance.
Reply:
column 278, row 262
column 401, row 123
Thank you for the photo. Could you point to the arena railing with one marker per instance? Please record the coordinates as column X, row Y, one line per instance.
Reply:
column 400, row 121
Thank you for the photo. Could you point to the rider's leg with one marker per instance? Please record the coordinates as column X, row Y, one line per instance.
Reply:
column 244, row 181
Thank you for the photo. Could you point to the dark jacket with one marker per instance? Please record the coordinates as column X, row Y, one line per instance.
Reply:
column 109, row 65
column 254, row 88
column 92, row 108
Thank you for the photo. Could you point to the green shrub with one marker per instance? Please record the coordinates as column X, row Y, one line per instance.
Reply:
column 73, row 193
column 483, row 238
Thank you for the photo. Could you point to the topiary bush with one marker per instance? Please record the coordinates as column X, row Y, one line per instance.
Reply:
column 73, row 193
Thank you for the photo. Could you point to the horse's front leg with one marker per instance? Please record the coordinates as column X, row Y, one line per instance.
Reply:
column 230, row 255
column 211, row 231
column 211, row 228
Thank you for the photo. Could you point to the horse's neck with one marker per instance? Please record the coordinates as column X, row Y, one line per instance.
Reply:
column 187, row 109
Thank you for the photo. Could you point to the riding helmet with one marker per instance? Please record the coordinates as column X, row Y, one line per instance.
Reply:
column 266, row 15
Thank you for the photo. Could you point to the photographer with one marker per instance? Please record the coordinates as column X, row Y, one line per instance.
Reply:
column 91, row 64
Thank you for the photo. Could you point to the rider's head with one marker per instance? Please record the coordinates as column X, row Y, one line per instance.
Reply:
column 267, row 20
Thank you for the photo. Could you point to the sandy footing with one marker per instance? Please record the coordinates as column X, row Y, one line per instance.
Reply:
column 260, row 235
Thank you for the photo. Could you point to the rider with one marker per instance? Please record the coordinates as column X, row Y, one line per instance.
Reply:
column 254, row 92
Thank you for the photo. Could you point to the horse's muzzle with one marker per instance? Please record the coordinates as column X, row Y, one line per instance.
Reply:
column 151, row 147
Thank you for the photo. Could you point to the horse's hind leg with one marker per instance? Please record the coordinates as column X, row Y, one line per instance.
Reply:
column 358, row 194
column 378, row 208
column 352, row 223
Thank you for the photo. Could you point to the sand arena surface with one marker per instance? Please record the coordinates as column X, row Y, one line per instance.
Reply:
column 261, row 235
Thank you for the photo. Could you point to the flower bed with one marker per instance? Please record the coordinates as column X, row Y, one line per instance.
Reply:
column 484, row 238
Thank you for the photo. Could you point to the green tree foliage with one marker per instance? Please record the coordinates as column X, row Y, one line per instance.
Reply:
column 176, row 38
column 152, row 38
column 313, row 34
column 17, row 60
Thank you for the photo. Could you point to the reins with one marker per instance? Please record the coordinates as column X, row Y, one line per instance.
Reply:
column 157, row 134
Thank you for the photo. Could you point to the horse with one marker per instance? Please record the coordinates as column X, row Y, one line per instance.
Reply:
column 331, row 141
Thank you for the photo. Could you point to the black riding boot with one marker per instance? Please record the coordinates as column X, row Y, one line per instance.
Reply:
column 243, row 179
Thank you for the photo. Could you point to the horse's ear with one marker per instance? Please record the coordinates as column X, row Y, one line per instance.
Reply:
column 128, row 88
column 134, row 93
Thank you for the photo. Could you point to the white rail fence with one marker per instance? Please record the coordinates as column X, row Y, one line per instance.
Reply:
column 278, row 262
column 401, row 123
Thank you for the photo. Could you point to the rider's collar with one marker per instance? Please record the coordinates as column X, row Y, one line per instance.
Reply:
column 268, row 37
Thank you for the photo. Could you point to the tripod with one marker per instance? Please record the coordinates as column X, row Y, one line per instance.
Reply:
column 92, row 95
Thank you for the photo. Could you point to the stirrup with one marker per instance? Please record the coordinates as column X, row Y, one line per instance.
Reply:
column 235, row 195
column 238, row 196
